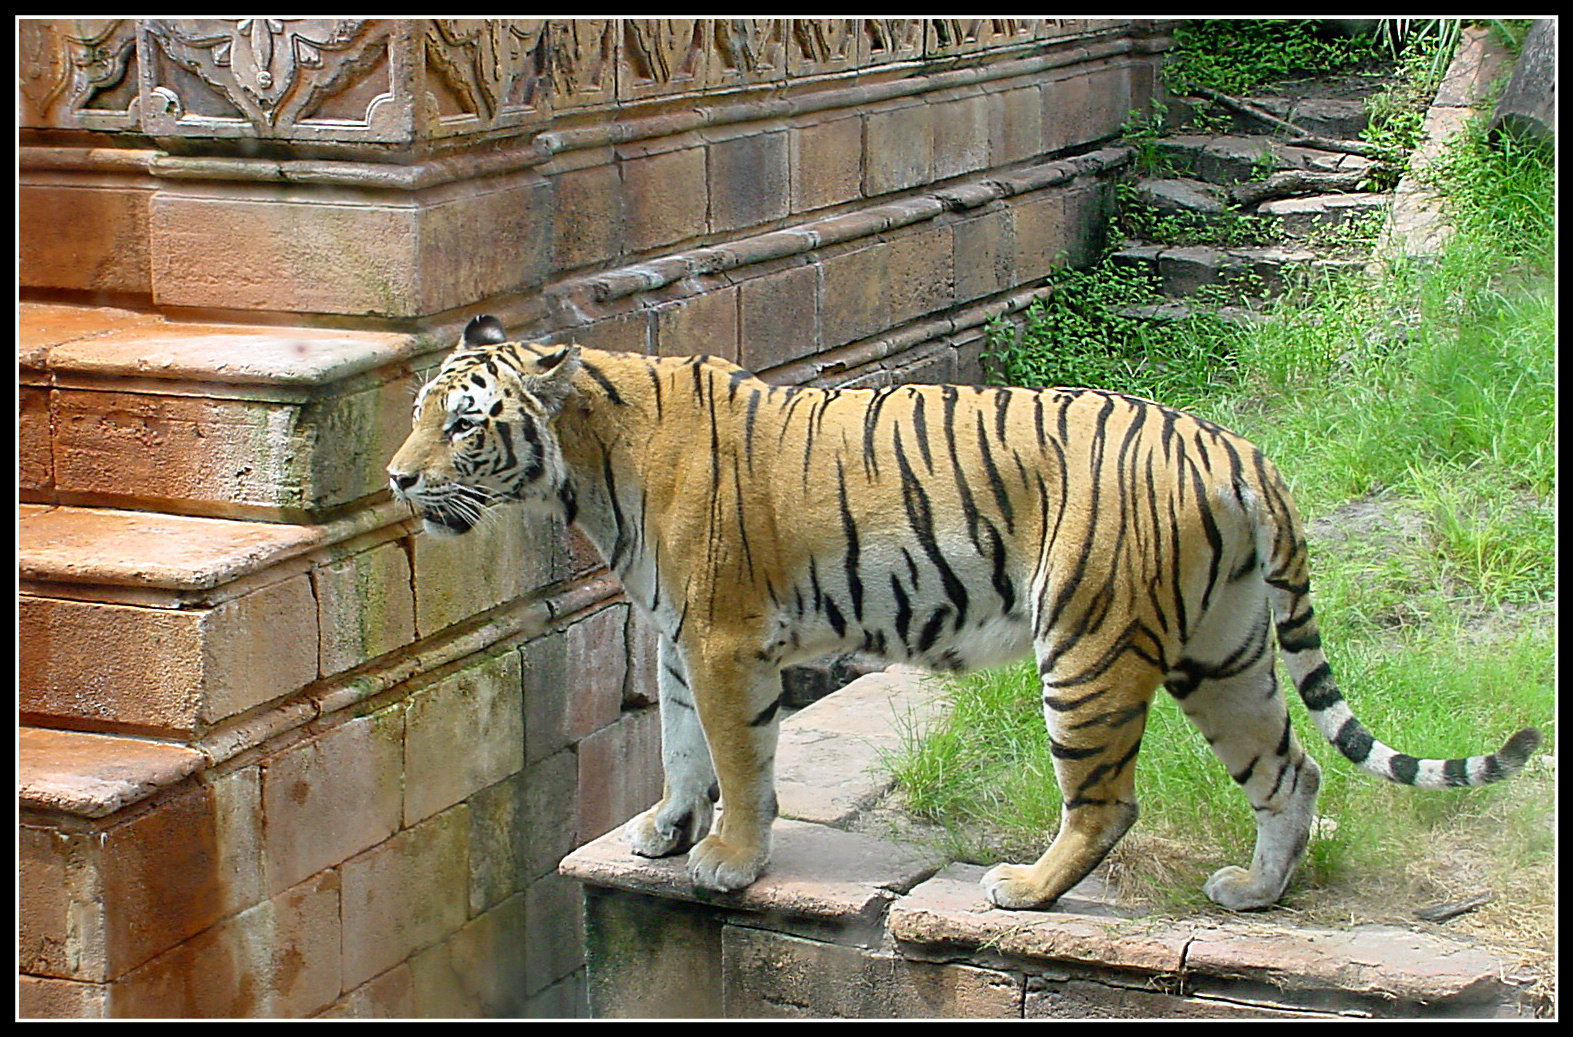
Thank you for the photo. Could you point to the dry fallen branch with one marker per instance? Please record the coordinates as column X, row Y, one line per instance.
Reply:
column 1295, row 181
column 1298, row 135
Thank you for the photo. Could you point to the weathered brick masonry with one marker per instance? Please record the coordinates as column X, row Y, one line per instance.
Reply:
column 280, row 755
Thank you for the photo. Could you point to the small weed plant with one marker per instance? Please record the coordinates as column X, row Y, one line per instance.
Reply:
column 1413, row 415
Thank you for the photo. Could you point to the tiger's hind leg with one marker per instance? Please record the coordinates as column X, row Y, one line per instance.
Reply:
column 1235, row 702
column 686, row 809
column 1095, row 729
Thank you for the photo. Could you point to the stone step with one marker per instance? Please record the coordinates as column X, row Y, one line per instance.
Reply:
column 1223, row 159
column 1337, row 117
column 172, row 626
column 1173, row 311
column 1195, row 209
column 1184, row 270
column 132, row 410
column 1304, row 217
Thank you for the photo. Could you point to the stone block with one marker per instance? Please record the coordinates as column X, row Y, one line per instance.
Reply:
column 217, row 419
column 1065, row 102
column 405, row 894
column 38, row 997
column 667, row 200
column 673, row 949
column 1087, row 999
column 168, row 670
column 478, row 972
column 984, row 249
column 1016, row 124
column 331, row 797
column 520, row 828
column 920, row 276
column 961, row 134
column 510, row 554
column 84, row 233
column 591, row 219
column 342, row 250
column 704, row 323
column 779, row 317
column 35, row 466
column 827, row 163
column 1042, row 236
column 597, row 670
column 554, row 932
column 749, row 178
column 1110, row 98
column 619, row 772
column 169, row 873
column 60, row 931
column 388, row 996
column 898, row 147
column 462, row 733
column 285, row 248
column 776, row 975
column 856, row 301
column 279, row 959
column 565, row 999
column 92, row 775
column 544, row 674
column 124, row 448
column 365, row 605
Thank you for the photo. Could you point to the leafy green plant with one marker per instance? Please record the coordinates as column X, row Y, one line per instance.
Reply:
column 1233, row 56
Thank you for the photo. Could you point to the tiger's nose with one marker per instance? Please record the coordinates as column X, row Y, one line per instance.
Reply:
column 402, row 481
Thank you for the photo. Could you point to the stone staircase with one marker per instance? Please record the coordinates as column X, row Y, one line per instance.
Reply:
column 1230, row 208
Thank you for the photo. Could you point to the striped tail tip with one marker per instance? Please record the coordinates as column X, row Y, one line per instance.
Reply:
column 1515, row 752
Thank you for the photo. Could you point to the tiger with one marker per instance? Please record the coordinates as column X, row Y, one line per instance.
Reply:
column 1127, row 545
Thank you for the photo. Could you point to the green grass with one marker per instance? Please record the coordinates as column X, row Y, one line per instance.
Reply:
column 1415, row 419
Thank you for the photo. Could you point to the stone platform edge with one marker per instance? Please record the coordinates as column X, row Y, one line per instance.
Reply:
column 849, row 884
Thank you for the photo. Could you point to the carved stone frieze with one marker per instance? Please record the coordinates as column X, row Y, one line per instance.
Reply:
column 355, row 80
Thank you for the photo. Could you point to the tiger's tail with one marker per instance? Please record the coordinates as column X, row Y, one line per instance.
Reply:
column 1300, row 643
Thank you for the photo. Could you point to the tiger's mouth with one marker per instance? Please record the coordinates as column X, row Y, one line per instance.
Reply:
column 445, row 525
column 450, row 514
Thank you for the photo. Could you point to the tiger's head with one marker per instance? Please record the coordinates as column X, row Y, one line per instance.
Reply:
column 483, row 432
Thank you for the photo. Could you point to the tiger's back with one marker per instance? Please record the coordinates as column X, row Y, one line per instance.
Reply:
column 1126, row 544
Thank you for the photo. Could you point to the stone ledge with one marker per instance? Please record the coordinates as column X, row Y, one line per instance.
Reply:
column 93, row 775
column 85, row 342
column 873, row 897
column 152, row 551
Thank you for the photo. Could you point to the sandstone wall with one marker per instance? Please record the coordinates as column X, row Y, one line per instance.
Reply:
column 281, row 755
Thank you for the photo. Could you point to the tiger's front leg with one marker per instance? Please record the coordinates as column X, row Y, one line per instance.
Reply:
column 738, row 705
column 687, row 806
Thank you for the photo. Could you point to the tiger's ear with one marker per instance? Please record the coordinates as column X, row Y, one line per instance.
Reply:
column 484, row 330
column 552, row 383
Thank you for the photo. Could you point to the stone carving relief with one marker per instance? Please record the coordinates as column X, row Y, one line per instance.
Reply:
column 823, row 45
column 297, row 77
column 749, row 50
column 77, row 73
column 483, row 71
column 390, row 80
column 583, row 62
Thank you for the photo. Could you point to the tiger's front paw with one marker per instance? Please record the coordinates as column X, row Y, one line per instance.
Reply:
column 663, row 832
column 1013, row 886
column 722, row 866
column 1239, row 889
